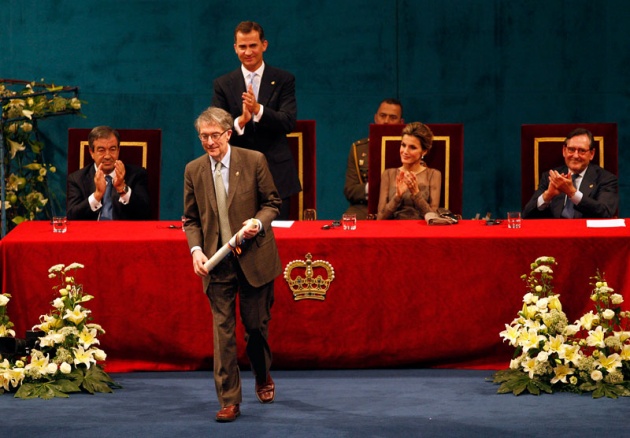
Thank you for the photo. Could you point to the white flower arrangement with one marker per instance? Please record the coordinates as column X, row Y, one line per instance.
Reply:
column 590, row 355
column 66, row 357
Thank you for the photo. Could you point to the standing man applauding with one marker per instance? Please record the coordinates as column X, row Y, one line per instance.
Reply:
column 261, row 99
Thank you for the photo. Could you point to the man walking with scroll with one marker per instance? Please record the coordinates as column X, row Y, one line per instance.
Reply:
column 224, row 190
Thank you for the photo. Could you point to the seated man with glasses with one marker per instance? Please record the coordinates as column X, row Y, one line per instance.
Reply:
column 579, row 189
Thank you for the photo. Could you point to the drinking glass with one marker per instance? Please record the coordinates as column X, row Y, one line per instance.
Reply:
column 349, row 221
column 310, row 214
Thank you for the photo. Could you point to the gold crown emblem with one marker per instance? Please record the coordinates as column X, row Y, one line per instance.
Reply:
column 306, row 286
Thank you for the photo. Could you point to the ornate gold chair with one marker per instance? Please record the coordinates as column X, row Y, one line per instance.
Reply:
column 447, row 155
column 541, row 150
column 302, row 142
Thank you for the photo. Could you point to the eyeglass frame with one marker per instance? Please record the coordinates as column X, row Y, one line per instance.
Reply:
column 214, row 136
column 581, row 152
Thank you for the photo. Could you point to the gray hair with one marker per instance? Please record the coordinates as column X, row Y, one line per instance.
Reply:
column 214, row 116
column 102, row 132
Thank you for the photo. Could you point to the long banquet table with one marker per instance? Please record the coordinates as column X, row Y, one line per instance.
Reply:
column 404, row 293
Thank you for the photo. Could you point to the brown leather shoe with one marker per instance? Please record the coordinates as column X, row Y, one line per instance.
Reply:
column 228, row 413
column 266, row 392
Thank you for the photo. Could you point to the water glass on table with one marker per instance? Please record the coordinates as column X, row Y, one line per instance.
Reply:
column 514, row 219
column 60, row 224
column 349, row 221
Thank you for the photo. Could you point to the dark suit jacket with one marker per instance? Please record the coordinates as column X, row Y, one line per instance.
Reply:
column 269, row 135
column 600, row 197
column 251, row 194
column 81, row 186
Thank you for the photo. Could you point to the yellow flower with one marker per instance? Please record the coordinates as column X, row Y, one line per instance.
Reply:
column 83, row 357
column 570, row 353
column 625, row 352
column 555, row 344
column 597, row 375
column 530, row 339
column 510, row 334
column 11, row 378
column 6, row 332
column 529, row 366
column 596, row 338
column 39, row 362
column 77, row 315
column 608, row 314
column 555, row 304
column 560, row 373
column 609, row 363
column 529, row 311
column 588, row 320
column 88, row 337
column 15, row 147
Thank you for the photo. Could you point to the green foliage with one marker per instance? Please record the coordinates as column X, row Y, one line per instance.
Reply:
column 517, row 382
column 26, row 171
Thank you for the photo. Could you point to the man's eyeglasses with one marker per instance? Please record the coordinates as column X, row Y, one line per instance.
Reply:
column 571, row 150
column 215, row 136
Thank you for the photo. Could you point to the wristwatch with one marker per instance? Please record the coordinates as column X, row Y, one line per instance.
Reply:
column 124, row 191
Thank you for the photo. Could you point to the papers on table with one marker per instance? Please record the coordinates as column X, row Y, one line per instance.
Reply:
column 282, row 224
column 605, row 223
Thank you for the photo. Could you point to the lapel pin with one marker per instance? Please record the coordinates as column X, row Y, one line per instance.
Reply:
column 591, row 186
column 237, row 172
column 273, row 82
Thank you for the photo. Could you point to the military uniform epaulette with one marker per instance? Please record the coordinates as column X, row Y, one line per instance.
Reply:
column 361, row 142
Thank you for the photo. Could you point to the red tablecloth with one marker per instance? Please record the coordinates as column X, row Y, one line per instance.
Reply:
column 404, row 293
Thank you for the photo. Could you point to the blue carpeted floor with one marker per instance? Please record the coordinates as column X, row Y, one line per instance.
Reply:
column 350, row 403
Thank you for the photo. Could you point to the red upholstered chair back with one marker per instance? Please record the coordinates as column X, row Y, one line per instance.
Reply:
column 142, row 147
column 541, row 150
column 302, row 142
column 446, row 155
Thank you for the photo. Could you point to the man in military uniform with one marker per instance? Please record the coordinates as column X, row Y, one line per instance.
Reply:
column 356, row 187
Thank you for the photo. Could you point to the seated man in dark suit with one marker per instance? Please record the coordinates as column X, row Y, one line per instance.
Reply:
column 107, row 189
column 579, row 189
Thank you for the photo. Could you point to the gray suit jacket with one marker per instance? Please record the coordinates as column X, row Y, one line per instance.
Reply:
column 251, row 194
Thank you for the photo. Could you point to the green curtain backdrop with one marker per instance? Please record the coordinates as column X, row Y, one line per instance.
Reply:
column 489, row 64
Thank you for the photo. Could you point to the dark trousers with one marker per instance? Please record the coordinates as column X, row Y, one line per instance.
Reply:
column 255, row 307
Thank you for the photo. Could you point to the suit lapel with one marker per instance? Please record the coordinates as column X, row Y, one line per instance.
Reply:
column 588, row 182
column 235, row 172
column 267, row 86
column 236, row 84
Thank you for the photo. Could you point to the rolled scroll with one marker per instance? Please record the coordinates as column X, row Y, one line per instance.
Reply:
column 233, row 243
